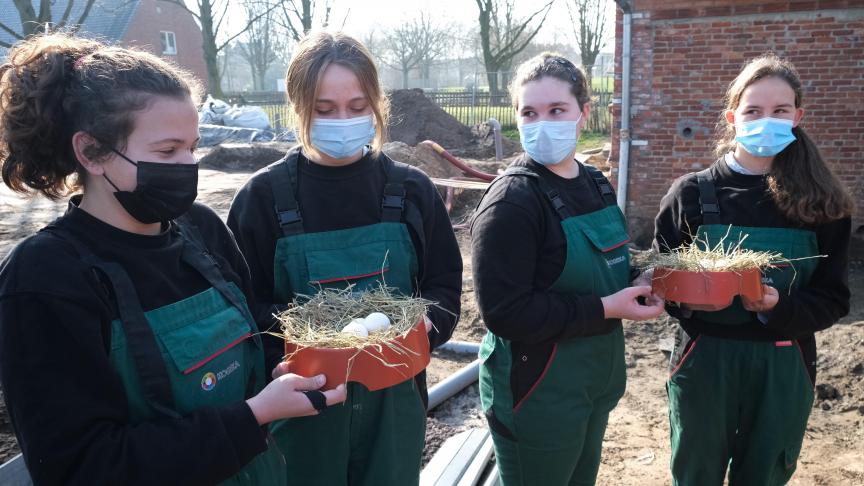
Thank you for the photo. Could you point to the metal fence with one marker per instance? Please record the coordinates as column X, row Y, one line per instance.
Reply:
column 470, row 107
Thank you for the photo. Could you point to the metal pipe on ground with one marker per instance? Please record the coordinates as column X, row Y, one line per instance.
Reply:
column 493, row 478
column 453, row 384
column 461, row 347
column 624, row 143
column 496, row 132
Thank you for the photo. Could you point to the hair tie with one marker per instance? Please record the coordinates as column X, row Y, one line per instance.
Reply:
column 76, row 66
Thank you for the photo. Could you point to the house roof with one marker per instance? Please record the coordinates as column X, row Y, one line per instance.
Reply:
column 108, row 20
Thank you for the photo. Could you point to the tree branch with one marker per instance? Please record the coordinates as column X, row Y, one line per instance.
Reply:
column 84, row 15
column 248, row 25
column 182, row 5
column 10, row 32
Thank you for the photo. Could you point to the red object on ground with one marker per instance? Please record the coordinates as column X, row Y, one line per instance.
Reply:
column 364, row 366
column 465, row 168
column 706, row 288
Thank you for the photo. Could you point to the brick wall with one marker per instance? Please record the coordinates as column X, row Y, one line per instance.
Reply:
column 683, row 57
column 152, row 17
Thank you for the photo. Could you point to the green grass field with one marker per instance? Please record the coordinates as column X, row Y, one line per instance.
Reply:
column 587, row 140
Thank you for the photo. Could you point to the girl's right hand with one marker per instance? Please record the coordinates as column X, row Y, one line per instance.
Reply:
column 624, row 304
column 284, row 398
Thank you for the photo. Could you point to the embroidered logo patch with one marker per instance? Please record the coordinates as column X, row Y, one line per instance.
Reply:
column 208, row 382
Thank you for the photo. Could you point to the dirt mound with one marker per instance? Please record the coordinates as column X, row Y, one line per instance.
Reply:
column 415, row 118
column 242, row 157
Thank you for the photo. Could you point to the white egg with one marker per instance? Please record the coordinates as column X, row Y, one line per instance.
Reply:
column 356, row 329
column 376, row 322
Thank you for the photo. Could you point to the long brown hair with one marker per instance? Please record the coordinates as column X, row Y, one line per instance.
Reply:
column 53, row 86
column 801, row 184
column 314, row 53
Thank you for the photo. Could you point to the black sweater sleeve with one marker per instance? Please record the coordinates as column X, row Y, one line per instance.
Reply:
column 744, row 201
column 252, row 218
column 507, row 242
column 440, row 260
column 67, row 404
column 825, row 299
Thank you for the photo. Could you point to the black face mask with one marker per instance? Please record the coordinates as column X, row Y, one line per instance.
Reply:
column 164, row 191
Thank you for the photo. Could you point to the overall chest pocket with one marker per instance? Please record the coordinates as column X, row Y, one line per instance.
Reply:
column 361, row 265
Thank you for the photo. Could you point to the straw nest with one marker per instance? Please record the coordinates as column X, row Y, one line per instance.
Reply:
column 317, row 321
column 724, row 255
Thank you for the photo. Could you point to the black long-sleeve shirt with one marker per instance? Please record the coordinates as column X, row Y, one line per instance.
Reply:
column 746, row 201
column 518, row 251
column 334, row 198
column 65, row 399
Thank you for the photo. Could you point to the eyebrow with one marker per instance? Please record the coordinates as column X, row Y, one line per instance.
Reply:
column 172, row 140
column 551, row 105
column 784, row 105
column 352, row 100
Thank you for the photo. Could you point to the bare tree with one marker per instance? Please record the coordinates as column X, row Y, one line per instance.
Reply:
column 590, row 18
column 210, row 15
column 416, row 44
column 33, row 23
column 263, row 44
column 297, row 17
column 502, row 35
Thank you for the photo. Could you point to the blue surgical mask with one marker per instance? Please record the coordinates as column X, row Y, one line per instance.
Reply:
column 549, row 142
column 342, row 138
column 765, row 137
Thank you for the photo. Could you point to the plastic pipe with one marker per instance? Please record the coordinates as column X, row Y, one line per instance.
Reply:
column 453, row 384
column 458, row 163
column 460, row 347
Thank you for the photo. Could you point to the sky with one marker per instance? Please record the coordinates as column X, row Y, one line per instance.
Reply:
column 361, row 16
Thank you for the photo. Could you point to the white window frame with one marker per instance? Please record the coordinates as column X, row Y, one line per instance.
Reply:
column 169, row 48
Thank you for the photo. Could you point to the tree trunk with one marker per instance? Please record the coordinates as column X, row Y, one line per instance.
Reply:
column 405, row 78
column 211, row 52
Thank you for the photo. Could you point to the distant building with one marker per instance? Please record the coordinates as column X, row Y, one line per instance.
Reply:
column 684, row 54
column 162, row 28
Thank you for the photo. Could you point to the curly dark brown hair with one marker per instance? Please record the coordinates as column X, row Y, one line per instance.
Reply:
column 53, row 86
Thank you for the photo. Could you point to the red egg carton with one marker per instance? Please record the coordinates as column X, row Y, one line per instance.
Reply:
column 706, row 288
column 366, row 365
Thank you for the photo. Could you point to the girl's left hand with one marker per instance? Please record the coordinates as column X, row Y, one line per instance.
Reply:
column 769, row 299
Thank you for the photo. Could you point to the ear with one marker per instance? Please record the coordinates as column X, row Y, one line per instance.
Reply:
column 730, row 116
column 586, row 114
column 80, row 142
column 799, row 114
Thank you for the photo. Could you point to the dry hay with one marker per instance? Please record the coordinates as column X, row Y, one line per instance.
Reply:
column 316, row 321
column 703, row 256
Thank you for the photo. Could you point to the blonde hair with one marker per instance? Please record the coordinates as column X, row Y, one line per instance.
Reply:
column 801, row 184
column 313, row 55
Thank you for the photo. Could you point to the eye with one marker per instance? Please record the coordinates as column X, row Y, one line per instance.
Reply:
column 167, row 152
column 751, row 111
column 324, row 112
column 556, row 111
column 528, row 114
column 359, row 109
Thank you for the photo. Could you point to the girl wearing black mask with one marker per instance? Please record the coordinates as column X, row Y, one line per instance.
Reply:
column 128, row 354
